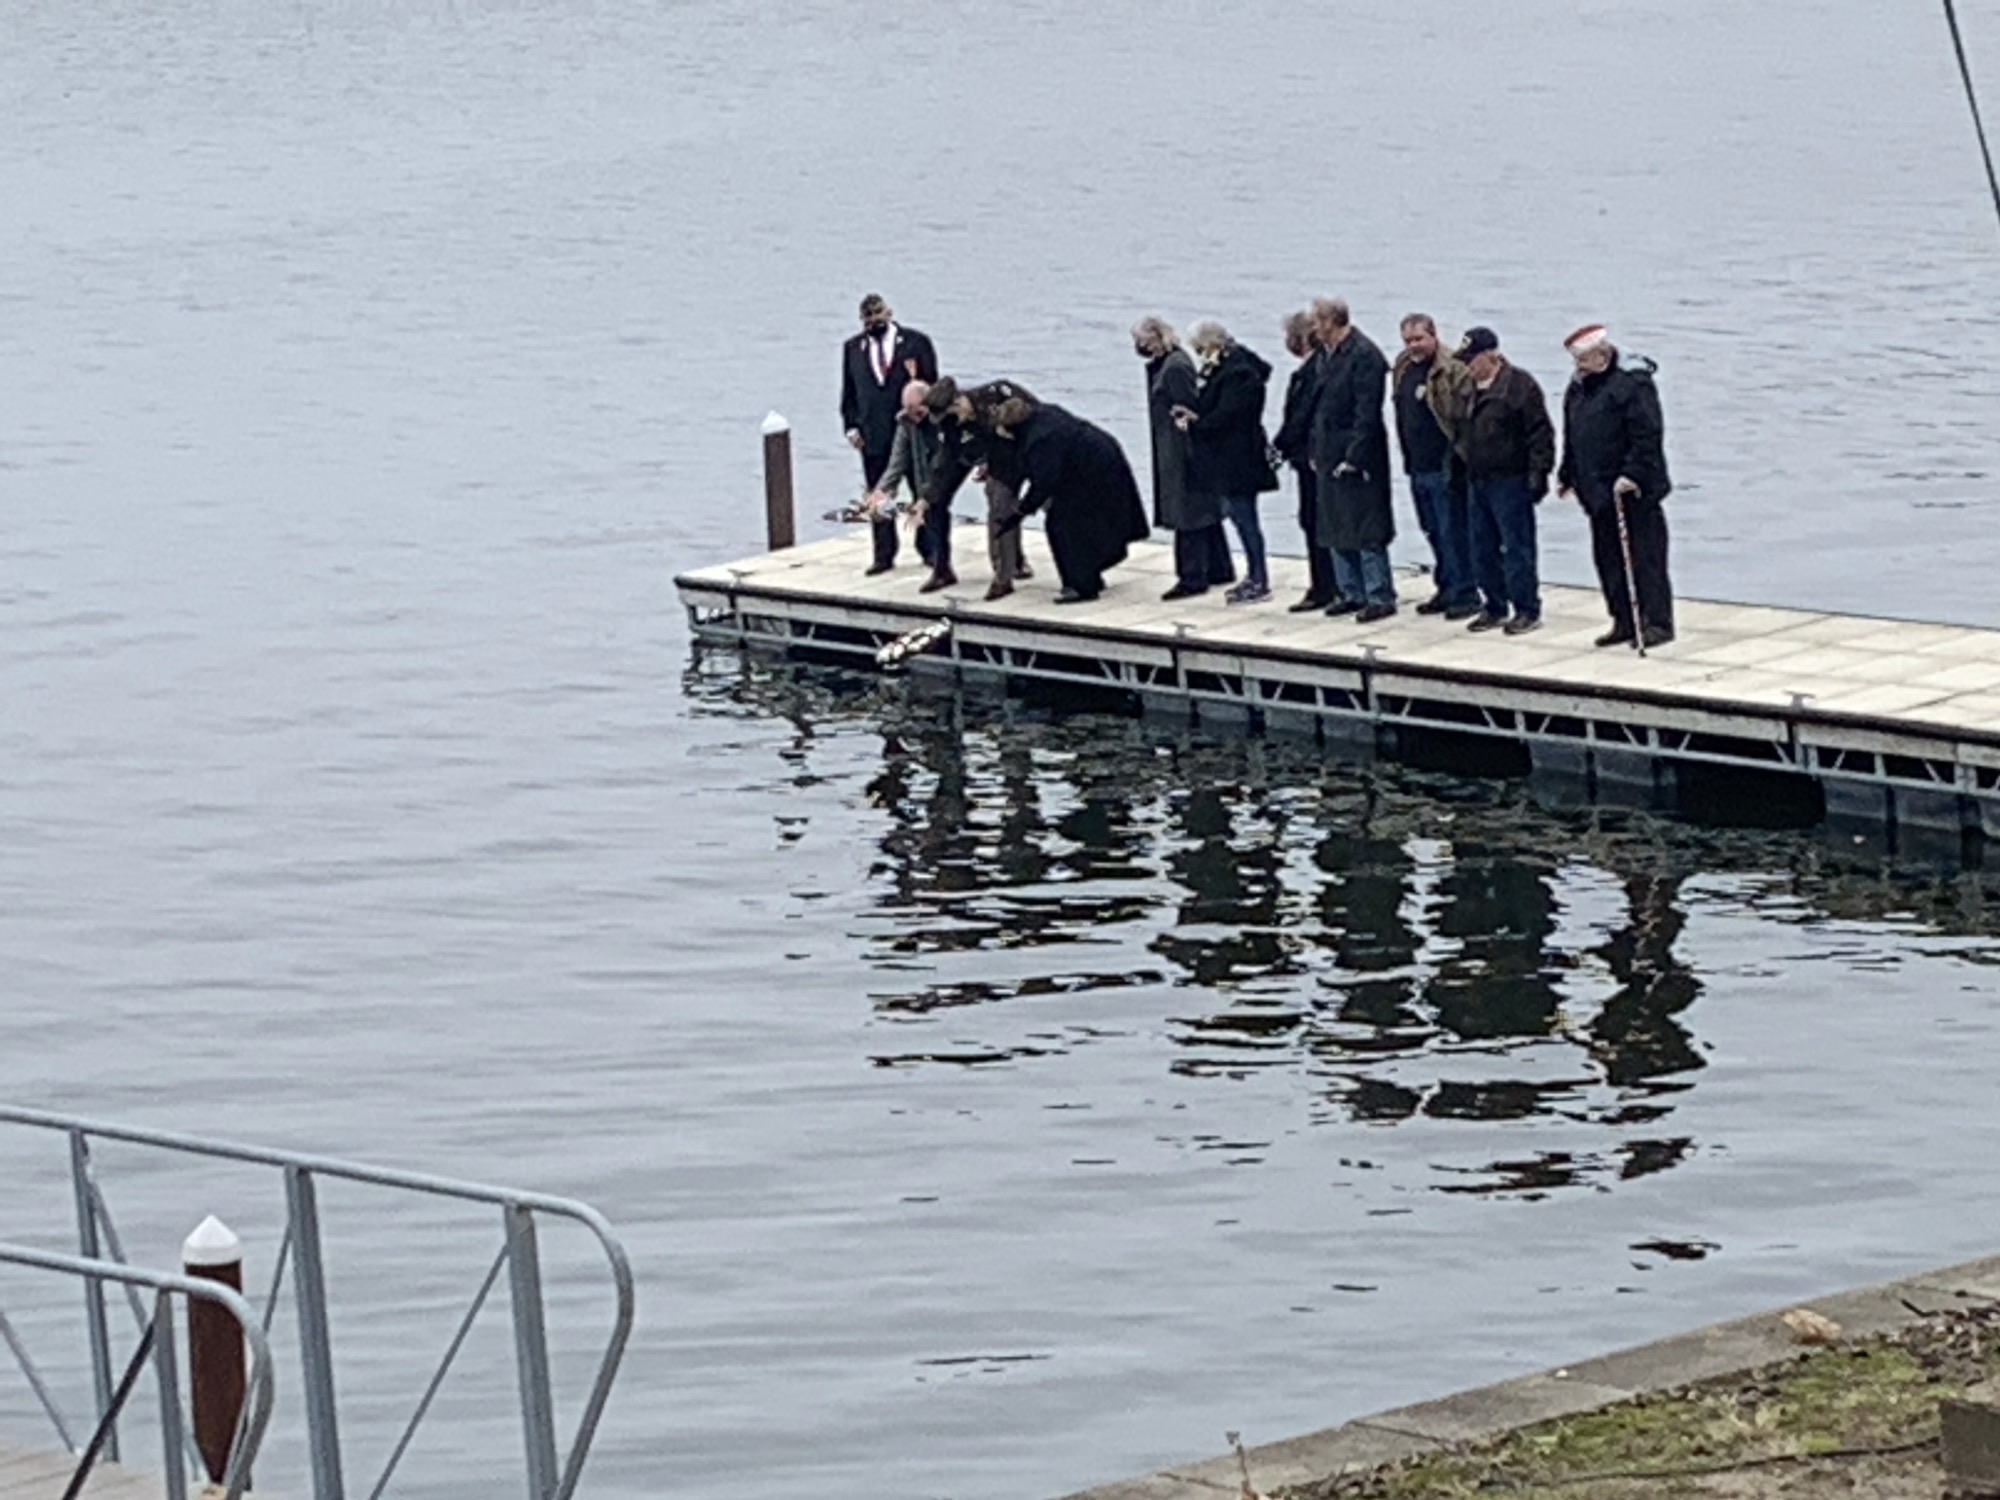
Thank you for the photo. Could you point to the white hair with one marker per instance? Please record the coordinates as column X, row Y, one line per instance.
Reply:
column 1210, row 337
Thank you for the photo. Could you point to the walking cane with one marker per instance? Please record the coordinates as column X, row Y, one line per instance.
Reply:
column 1631, row 575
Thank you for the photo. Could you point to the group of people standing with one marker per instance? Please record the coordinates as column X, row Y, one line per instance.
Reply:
column 1478, row 448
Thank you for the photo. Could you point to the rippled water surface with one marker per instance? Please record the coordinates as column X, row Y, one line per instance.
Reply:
column 994, row 1101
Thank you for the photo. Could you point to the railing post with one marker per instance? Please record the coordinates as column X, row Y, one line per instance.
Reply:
column 779, row 530
column 101, row 1379
column 531, row 1351
column 315, row 1346
column 166, row 1368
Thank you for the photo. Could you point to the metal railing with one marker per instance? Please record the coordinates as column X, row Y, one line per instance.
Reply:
column 156, row 1343
column 552, row 1470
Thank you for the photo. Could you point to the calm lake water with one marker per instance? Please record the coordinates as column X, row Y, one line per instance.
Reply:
column 994, row 1103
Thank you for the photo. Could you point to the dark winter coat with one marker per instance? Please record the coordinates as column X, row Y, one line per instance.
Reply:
column 964, row 446
column 1079, row 477
column 1228, row 453
column 1355, row 508
column 869, row 406
column 1295, row 430
column 1170, row 382
column 1508, row 433
column 1612, row 429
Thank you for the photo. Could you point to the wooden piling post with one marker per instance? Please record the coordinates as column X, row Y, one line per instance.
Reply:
column 779, row 530
column 215, row 1344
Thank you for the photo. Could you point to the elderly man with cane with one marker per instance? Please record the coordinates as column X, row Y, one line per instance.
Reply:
column 1614, row 462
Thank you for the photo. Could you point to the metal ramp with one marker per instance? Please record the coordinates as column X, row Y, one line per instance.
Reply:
column 295, row 1376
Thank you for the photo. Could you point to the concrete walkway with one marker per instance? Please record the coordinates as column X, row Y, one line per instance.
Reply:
column 1721, row 1349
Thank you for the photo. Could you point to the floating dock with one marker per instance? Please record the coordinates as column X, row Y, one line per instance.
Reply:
column 1891, row 723
column 30, row 1474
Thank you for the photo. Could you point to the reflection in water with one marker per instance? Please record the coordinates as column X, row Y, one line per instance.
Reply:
column 1423, row 948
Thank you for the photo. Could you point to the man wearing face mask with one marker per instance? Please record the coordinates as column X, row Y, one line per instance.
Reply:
column 1201, row 555
column 875, row 366
column 1614, row 458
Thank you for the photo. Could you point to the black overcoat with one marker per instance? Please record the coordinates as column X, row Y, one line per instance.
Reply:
column 1612, row 429
column 1170, row 382
column 1228, row 453
column 1079, row 477
column 1355, row 507
column 1294, row 439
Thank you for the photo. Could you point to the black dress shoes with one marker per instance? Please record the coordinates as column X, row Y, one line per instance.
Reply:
column 878, row 568
column 936, row 581
column 1341, row 607
column 1071, row 596
column 1308, row 604
column 1432, row 606
column 1374, row 612
column 1184, row 591
column 1656, row 635
column 1616, row 636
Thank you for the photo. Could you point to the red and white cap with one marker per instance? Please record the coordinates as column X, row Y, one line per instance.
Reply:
column 1590, row 336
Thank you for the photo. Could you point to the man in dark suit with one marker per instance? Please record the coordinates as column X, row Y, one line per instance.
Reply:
column 875, row 366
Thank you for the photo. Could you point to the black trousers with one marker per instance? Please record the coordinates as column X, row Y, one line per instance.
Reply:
column 934, row 536
column 1318, row 559
column 1201, row 556
column 872, row 466
column 1646, row 520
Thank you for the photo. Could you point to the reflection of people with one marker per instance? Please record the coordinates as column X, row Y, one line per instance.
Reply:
column 875, row 365
column 1361, row 907
column 1501, row 910
column 1635, row 1034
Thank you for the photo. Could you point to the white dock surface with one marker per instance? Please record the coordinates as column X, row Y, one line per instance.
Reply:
column 1932, row 679
column 28, row 1474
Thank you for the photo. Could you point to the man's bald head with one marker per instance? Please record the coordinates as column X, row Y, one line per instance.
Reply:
column 915, row 395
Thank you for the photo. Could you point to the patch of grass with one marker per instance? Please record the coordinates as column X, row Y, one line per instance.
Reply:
column 1870, row 1394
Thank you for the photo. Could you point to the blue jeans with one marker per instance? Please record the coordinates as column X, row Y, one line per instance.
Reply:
column 1362, row 574
column 1242, row 511
column 1444, row 516
column 1503, row 545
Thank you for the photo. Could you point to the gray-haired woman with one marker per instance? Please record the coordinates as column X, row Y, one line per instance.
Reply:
column 1228, row 453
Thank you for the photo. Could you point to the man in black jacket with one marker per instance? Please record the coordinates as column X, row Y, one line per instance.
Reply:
column 1294, row 433
column 1350, row 454
column 1509, row 445
column 875, row 365
column 1437, row 479
column 1614, row 457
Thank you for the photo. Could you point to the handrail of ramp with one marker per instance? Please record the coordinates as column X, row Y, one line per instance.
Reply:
column 157, row 1343
column 552, row 1474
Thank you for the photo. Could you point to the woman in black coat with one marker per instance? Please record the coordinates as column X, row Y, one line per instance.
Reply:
column 1079, row 476
column 1228, row 454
